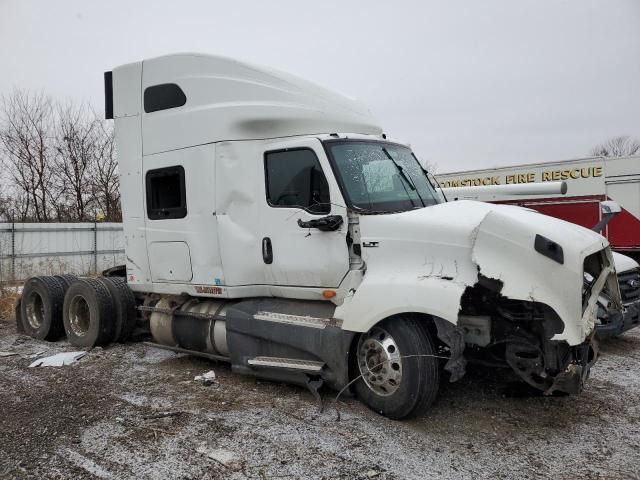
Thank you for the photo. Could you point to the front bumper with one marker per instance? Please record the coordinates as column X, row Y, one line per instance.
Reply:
column 554, row 366
column 572, row 379
column 617, row 323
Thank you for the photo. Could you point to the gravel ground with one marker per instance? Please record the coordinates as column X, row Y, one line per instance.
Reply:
column 133, row 411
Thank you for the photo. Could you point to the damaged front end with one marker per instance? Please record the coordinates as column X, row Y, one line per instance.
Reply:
column 511, row 281
column 518, row 334
column 524, row 335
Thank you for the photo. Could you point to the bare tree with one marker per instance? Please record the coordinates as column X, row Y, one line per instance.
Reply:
column 76, row 138
column 26, row 135
column 106, row 184
column 15, row 207
column 617, row 147
column 58, row 161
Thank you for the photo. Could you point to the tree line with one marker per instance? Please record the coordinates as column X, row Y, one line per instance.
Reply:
column 622, row 146
column 57, row 161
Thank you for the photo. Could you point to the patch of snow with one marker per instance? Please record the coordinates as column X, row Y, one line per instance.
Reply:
column 86, row 464
column 146, row 401
column 220, row 455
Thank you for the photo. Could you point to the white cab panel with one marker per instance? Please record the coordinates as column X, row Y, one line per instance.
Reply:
column 127, row 99
column 239, row 195
column 199, row 228
column 170, row 262
column 128, row 139
column 231, row 100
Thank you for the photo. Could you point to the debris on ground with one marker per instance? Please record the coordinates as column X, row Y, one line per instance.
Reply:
column 161, row 415
column 8, row 354
column 206, row 378
column 58, row 360
column 220, row 455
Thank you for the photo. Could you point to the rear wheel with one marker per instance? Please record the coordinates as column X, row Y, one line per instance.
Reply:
column 400, row 376
column 41, row 308
column 125, row 307
column 88, row 313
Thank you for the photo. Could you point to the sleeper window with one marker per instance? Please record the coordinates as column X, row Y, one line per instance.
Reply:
column 163, row 97
column 294, row 179
column 166, row 196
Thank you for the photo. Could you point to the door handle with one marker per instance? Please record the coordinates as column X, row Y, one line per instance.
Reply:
column 324, row 224
column 267, row 251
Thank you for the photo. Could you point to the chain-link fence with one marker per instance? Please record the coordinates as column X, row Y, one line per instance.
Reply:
column 28, row 249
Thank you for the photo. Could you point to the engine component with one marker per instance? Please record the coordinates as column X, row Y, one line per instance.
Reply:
column 476, row 329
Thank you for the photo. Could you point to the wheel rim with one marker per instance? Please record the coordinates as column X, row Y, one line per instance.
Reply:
column 35, row 310
column 79, row 316
column 379, row 361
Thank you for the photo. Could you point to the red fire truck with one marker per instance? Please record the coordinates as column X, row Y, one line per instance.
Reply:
column 589, row 181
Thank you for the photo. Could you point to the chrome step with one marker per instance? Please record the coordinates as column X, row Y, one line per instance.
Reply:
column 299, row 320
column 289, row 363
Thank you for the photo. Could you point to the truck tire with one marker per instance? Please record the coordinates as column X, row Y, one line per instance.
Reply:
column 66, row 280
column 88, row 313
column 125, row 306
column 41, row 308
column 396, row 380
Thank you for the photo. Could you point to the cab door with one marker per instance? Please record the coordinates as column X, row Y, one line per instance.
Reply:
column 304, row 220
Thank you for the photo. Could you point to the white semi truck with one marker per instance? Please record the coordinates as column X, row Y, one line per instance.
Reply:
column 269, row 223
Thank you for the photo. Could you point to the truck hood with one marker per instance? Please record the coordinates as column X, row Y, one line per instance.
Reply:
column 457, row 242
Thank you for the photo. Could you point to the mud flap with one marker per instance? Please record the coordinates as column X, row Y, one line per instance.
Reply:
column 453, row 337
column 314, row 385
column 18, row 312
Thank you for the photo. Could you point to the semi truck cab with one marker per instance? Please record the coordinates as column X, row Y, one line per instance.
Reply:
column 271, row 224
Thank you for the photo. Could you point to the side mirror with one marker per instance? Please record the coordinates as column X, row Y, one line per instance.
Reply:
column 608, row 210
column 609, row 206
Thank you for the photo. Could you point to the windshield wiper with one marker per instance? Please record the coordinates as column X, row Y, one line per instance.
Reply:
column 404, row 176
column 434, row 183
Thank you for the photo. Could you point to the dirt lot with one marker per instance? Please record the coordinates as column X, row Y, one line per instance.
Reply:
column 132, row 411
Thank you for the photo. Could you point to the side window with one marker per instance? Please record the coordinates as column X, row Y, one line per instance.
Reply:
column 166, row 195
column 294, row 179
column 162, row 97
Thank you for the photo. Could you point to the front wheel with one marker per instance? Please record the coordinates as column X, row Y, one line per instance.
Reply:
column 399, row 370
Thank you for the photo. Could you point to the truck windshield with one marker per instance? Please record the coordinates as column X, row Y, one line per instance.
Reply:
column 380, row 177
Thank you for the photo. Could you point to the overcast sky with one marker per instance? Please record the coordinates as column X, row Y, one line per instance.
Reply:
column 468, row 84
